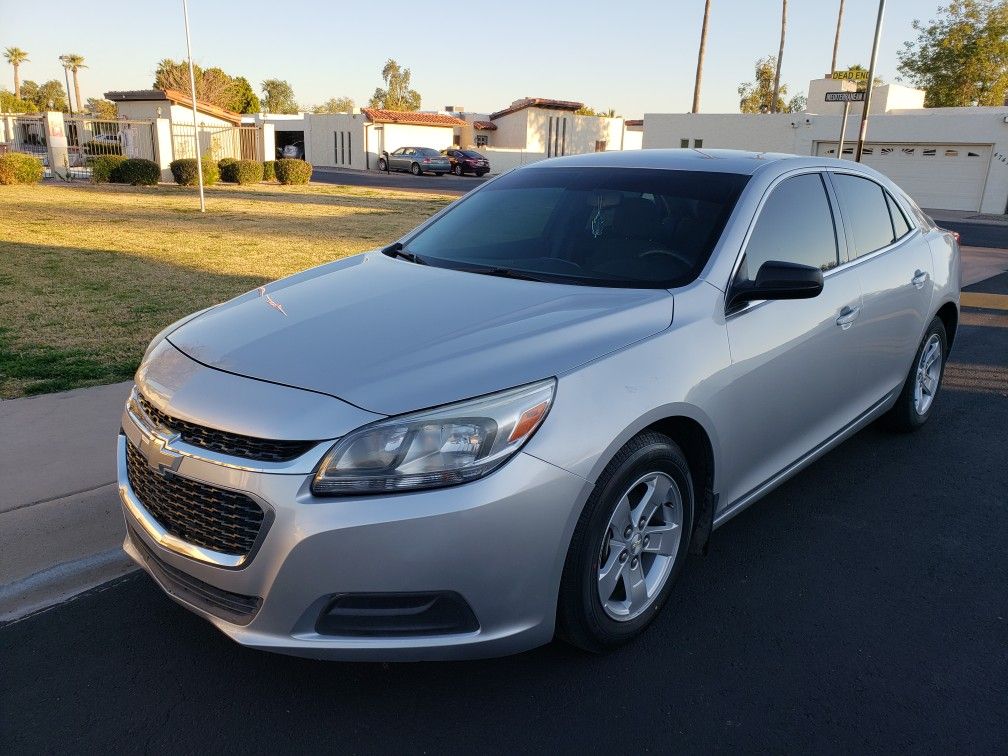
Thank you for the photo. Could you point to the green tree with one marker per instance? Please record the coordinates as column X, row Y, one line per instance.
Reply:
column 11, row 104
column 397, row 94
column 244, row 98
column 757, row 96
column 798, row 103
column 336, row 105
column 16, row 56
column 103, row 110
column 961, row 56
column 47, row 96
column 73, row 63
column 278, row 97
column 588, row 111
column 862, row 84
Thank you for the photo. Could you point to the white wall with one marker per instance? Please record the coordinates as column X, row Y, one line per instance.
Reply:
column 775, row 133
column 512, row 132
column 503, row 160
column 633, row 139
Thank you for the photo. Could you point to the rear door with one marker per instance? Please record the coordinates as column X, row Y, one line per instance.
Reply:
column 791, row 359
column 895, row 269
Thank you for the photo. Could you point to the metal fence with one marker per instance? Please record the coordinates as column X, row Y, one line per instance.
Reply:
column 217, row 141
column 28, row 134
column 88, row 138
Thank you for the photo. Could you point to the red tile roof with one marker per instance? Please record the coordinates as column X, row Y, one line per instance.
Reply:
column 377, row 115
column 175, row 97
column 537, row 102
column 484, row 125
column 634, row 122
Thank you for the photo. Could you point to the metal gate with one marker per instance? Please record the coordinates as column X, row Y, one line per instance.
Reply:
column 88, row 138
column 216, row 141
column 29, row 136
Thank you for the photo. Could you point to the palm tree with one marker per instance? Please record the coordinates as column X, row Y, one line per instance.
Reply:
column 74, row 62
column 836, row 39
column 700, row 58
column 780, row 58
column 16, row 56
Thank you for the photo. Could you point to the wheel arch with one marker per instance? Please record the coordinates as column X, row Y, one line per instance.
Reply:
column 948, row 313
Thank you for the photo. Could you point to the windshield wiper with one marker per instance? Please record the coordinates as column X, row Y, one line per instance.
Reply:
column 397, row 250
column 509, row 273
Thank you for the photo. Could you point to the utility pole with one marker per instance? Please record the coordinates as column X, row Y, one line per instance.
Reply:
column 700, row 58
column 870, row 85
column 192, row 91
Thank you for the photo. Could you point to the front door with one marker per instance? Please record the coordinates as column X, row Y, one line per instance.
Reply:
column 788, row 387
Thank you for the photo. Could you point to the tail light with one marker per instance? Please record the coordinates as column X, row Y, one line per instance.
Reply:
column 956, row 236
column 426, row 160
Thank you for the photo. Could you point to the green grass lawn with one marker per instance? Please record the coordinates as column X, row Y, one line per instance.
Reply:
column 88, row 274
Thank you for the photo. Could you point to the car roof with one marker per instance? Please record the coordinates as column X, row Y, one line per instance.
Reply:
column 745, row 162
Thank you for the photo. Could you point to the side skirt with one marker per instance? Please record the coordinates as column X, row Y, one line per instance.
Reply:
column 744, row 501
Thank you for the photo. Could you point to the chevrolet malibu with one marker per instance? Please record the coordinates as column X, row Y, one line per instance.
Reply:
column 517, row 420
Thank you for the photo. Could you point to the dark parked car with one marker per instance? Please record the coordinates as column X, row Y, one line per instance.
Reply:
column 416, row 160
column 466, row 161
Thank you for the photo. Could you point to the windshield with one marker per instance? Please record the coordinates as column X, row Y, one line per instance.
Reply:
column 630, row 227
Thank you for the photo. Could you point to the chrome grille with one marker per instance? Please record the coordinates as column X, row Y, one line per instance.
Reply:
column 223, row 442
column 213, row 518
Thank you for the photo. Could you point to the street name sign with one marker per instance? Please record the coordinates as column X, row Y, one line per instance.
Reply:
column 845, row 96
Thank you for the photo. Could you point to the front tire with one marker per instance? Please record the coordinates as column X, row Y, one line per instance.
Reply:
column 629, row 545
column 457, row 170
column 916, row 400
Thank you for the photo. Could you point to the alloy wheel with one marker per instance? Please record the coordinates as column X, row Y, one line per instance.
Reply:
column 928, row 374
column 640, row 546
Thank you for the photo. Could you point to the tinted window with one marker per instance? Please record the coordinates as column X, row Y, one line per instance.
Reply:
column 795, row 225
column 592, row 226
column 900, row 226
column 430, row 152
column 472, row 154
column 866, row 212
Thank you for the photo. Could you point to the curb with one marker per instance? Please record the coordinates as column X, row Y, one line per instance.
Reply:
column 60, row 583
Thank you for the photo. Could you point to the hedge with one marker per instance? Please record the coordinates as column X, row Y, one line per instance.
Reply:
column 19, row 168
column 291, row 171
column 138, row 172
column 104, row 167
column 222, row 164
column 184, row 172
column 242, row 172
column 269, row 170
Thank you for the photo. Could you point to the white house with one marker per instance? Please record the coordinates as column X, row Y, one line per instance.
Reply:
column 356, row 140
column 148, row 104
column 945, row 158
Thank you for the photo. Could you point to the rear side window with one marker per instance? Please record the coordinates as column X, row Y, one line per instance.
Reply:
column 795, row 225
column 900, row 226
column 866, row 211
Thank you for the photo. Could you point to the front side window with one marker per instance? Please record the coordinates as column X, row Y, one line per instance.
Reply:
column 866, row 212
column 795, row 225
column 614, row 227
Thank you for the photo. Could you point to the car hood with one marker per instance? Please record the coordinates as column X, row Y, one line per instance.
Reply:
column 391, row 336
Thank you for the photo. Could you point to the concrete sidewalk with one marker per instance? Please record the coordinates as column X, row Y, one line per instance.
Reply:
column 60, row 522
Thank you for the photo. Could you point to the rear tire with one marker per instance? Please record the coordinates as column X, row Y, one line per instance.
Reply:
column 415, row 169
column 382, row 165
column 916, row 400
column 659, row 519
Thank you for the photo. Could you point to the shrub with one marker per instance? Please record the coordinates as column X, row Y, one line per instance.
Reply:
column 104, row 168
column 222, row 165
column 290, row 171
column 101, row 148
column 185, row 173
column 138, row 172
column 242, row 172
column 19, row 168
column 269, row 170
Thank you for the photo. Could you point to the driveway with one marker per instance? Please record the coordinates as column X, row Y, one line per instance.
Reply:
column 862, row 607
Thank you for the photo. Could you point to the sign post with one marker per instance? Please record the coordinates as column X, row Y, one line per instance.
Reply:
column 863, row 132
column 846, row 98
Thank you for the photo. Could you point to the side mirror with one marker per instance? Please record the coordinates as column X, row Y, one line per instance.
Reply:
column 778, row 280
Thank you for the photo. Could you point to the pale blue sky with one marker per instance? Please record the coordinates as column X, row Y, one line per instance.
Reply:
column 632, row 55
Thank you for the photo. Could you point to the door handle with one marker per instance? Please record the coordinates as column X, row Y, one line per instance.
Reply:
column 920, row 278
column 847, row 316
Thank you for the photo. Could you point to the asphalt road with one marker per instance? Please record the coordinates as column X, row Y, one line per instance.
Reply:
column 979, row 234
column 447, row 184
column 862, row 607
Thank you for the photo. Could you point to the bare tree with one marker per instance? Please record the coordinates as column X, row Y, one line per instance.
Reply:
column 836, row 39
column 700, row 57
column 780, row 56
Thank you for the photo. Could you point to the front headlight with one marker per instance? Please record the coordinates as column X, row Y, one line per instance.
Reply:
column 438, row 447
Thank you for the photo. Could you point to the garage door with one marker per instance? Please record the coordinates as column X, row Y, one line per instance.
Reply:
column 940, row 176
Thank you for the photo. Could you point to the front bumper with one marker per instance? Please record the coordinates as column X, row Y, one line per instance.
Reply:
column 498, row 542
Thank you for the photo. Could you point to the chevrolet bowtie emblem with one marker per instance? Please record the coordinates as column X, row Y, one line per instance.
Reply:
column 160, row 458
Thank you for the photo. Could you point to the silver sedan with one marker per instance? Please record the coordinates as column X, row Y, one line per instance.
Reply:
column 516, row 421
